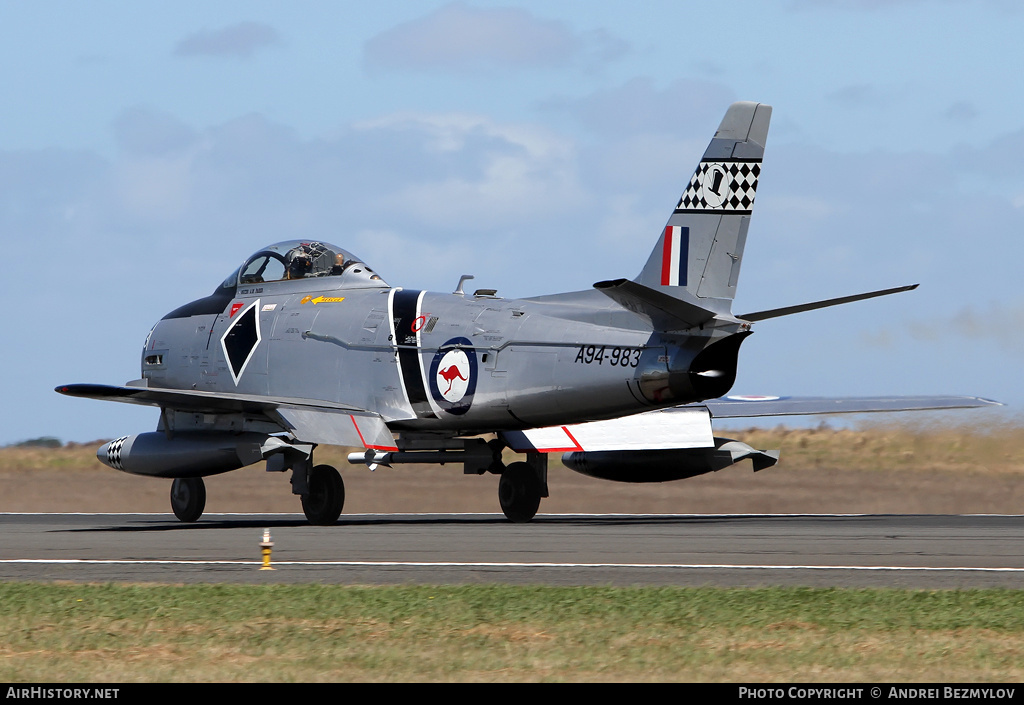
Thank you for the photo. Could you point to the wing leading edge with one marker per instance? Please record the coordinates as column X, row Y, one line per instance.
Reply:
column 749, row 406
column 308, row 420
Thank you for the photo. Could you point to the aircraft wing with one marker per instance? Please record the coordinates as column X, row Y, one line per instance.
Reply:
column 689, row 426
column 311, row 421
column 740, row 406
column 682, row 427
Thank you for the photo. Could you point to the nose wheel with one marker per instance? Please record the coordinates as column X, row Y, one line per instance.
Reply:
column 323, row 503
column 519, row 492
column 188, row 498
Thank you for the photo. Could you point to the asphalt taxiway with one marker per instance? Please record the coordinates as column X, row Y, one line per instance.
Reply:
column 919, row 551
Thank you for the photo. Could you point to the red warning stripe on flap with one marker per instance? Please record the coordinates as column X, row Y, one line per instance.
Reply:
column 371, row 446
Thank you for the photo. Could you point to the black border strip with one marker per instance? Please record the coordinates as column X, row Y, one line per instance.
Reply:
column 404, row 315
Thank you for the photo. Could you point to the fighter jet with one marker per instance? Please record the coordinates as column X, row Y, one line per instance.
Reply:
column 305, row 344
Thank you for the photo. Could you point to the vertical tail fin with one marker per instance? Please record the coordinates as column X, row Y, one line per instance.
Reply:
column 700, row 249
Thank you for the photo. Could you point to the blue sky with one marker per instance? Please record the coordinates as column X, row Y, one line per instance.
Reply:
column 147, row 148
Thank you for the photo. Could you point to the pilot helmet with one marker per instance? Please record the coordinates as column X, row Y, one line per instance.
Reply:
column 299, row 263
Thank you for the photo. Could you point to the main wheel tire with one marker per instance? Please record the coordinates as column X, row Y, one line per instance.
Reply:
column 188, row 498
column 519, row 492
column 326, row 498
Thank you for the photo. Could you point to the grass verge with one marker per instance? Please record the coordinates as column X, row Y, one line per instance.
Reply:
column 140, row 633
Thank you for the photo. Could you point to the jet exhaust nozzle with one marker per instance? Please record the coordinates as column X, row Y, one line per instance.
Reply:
column 186, row 454
column 666, row 465
column 707, row 375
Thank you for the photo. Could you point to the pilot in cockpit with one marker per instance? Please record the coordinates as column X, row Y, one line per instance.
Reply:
column 295, row 260
column 298, row 264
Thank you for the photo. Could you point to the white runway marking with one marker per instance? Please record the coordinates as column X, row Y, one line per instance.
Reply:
column 496, row 515
column 455, row 564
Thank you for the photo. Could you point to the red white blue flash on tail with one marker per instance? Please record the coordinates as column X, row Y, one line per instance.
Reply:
column 675, row 257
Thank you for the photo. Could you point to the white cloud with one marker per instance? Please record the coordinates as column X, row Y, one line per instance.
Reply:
column 624, row 223
column 155, row 188
column 682, row 108
column 870, row 5
column 961, row 111
column 465, row 39
column 519, row 173
column 240, row 40
column 865, row 95
column 807, row 208
column 404, row 259
column 141, row 130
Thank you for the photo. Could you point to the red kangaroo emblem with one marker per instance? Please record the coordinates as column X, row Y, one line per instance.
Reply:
column 450, row 375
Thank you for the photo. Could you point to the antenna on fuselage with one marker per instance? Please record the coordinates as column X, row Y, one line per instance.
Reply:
column 465, row 277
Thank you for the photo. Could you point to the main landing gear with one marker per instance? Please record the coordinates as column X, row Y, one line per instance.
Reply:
column 519, row 492
column 188, row 498
column 522, row 484
column 323, row 503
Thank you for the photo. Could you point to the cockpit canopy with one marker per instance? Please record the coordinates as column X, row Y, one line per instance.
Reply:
column 304, row 259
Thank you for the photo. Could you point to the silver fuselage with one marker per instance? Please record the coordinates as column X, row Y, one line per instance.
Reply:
column 523, row 363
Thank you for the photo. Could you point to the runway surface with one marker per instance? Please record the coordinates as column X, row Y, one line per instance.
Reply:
column 928, row 551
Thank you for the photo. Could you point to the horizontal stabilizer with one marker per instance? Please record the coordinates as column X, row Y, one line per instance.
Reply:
column 751, row 406
column 653, row 430
column 665, row 312
column 800, row 308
